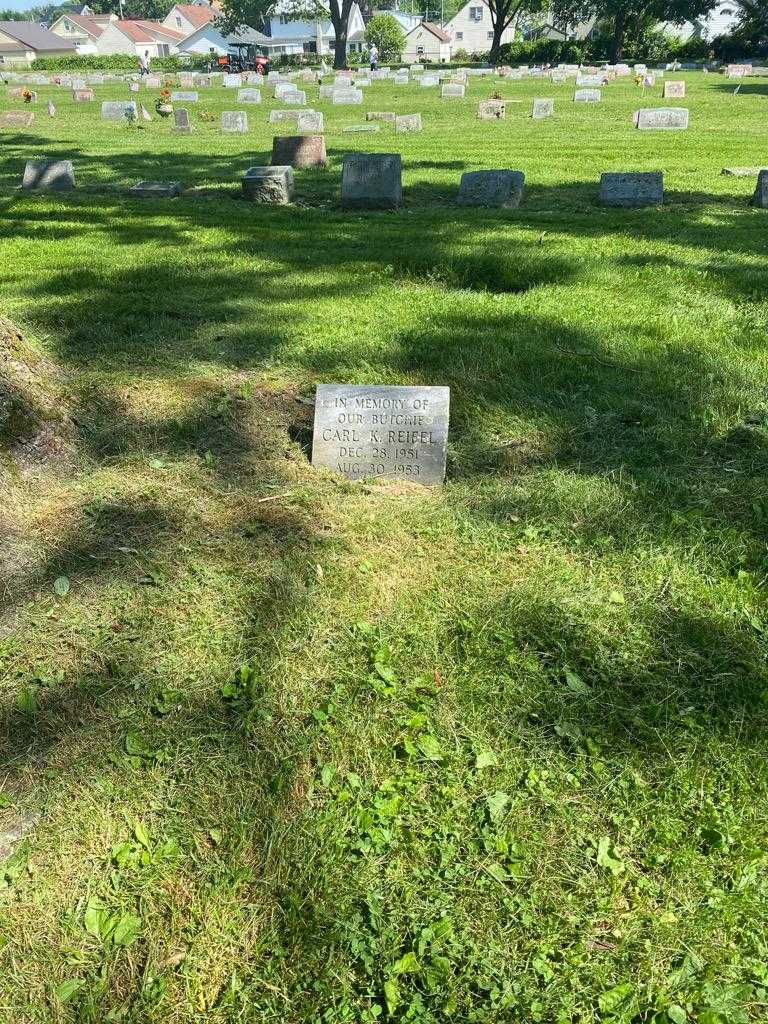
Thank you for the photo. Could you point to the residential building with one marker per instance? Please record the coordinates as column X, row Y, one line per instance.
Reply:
column 427, row 42
column 81, row 29
column 139, row 37
column 471, row 28
column 287, row 35
column 21, row 42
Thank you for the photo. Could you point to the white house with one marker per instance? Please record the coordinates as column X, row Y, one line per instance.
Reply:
column 82, row 29
column 139, row 37
column 427, row 42
column 287, row 35
column 471, row 28
column 197, row 23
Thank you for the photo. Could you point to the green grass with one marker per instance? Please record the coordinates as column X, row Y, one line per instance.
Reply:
column 498, row 751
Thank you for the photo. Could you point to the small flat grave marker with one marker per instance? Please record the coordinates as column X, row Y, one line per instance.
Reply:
column 83, row 96
column 49, row 175
column 674, row 90
column 587, row 96
column 378, row 430
column 156, row 189
column 492, row 110
column 491, row 188
column 248, row 96
column 381, row 115
column 661, row 118
column 17, row 119
column 645, row 188
column 408, row 123
column 183, row 96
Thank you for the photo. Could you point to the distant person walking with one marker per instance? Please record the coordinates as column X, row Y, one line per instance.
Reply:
column 144, row 63
column 374, row 56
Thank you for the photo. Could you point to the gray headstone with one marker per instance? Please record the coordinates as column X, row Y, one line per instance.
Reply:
column 378, row 430
column 295, row 98
column 429, row 81
column 231, row 81
column 345, row 96
column 491, row 188
column 381, row 115
column 181, row 96
column 742, row 172
column 49, row 175
column 589, row 80
column 587, row 96
column 202, row 81
column 674, row 90
column 491, row 110
column 310, row 121
column 268, row 184
column 156, row 189
column 248, row 96
column 644, row 188
column 449, row 92
column 235, row 121
column 542, row 108
column 661, row 118
column 372, row 181
column 181, row 121
column 364, row 127
column 116, row 110
column 408, row 123
column 760, row 198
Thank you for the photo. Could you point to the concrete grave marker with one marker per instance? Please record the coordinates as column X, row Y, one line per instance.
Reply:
column 674, row 90
column 117, row 110
column 589, row 80
column 182, row 96
column 231, row 81
column 408, row 123
column 492, row 110
column 644, row 188
column 661, row 118
column 429, row 81
column 372, row 181
column 381, row 115
column 181, row 121
column 587, row 96
column 378, row 430
column 234, row 121
column 268, row 185
column 491, row 188
column 155, row 189
column 248, row 96
column 365, row 127
column 202, row 81
column 298, row 151
column 49, row 175
column 295, row 98
column 542, row 108
column 311, row 121
column 449, row 92
column 83, row 96
column 760, row 197
column 345, row 96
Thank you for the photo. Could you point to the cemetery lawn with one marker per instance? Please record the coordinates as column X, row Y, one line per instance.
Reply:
column 291, row 749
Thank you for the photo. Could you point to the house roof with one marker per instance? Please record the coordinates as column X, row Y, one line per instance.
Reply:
column 251, row 37
column 195, row 13
column 89, row 25
column 34, row 37
column 435, row 30
column 148, row 31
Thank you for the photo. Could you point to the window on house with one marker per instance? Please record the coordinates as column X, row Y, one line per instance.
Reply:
column 419, row 51
column 475, row 13
column 178, row 21
column 459, row 35
column 284, row 19
column 490, row 35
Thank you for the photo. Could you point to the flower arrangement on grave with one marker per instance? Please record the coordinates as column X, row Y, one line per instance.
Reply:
column 163, row 104
column 26, row 96
column 206, row 115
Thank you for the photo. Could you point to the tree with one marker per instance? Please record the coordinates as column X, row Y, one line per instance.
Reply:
column 386, row 33
column 631, row 15
column 256, row 13
column 503, row 14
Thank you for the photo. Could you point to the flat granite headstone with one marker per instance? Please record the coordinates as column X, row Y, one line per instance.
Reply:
column 295, row 98
column 275, row 116
column 661, row 118
column 181, row 121
column 429, row 81
column 742, row 172
column 311, row 121
column 17, row 119
column 83, row 96
column 492, row 110
column 449, row 92
column 117, row 110
column 542, row 108
column 268, row 185
column 182, row 96
column 379, row 430
column 49, row 175
column 491, row 188
column 381, row 115
column 408, row 123
column 587, row 96
column 231, row 81
column 371, row 181
column 595, row 80
column 156, row 189
column 364, row 127
column 248, row 96
column 345, row 96
column 235, row 121
column 674, row 90
column 643, row 188
column 298, row 151
column 760, row 197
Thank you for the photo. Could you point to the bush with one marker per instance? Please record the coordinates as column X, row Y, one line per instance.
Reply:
column 117, row 62
column 387, row 34
column 544, row 51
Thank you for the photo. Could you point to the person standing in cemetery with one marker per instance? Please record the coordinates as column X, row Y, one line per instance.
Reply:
column 374, row 56
column 144, row 63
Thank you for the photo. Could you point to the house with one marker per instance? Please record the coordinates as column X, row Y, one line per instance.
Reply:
column 138, row 37
column 427, row 42
column 288, row 35
column 197, row 23
column 21, row 42
column 407, row 21
column 188, row 18
column 548, row 26
column 81, row 29
column 471, row 28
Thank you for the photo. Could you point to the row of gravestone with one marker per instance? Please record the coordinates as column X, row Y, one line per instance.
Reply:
column 374, row 181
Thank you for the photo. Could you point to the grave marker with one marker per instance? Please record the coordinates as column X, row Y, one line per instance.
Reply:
column 344, row 96
column 298, row 151
column 155, row 189
column 661, row 118
column 491, row 110
column 181, row 121
column 449, row 92
column 408, row 123
column 83, row 96
column 674, row 90
column 248, row 96
column 310, row 121
column 49, row 175
column 645, row 188
column 17, row 119
column 491, row 188
column 117, row 110
column 372, row 181
column 268, row 185
column 760, row 197
column 542, row 108
column 587, row 96
column 379, row 430
column 234, row 121
column 182, row 96
column 381, row 115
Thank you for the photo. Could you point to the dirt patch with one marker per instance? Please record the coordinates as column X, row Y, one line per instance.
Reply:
column 35, row 423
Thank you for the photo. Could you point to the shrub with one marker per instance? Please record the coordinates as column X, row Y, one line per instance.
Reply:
column 117, row 62
column 387, row 34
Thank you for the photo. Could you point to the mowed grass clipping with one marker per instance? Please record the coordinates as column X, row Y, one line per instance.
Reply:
column 290, row 749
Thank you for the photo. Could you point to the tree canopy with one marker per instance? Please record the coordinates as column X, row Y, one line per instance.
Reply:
column 387, row 34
